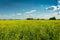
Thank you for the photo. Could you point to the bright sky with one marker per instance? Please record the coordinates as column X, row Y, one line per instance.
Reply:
column 21, row 9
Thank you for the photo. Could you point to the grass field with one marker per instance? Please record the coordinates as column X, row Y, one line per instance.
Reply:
column 29, row 29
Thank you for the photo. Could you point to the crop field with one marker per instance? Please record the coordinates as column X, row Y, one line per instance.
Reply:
column 29, row 29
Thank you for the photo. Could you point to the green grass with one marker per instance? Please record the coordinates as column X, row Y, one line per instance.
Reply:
column 29, row 29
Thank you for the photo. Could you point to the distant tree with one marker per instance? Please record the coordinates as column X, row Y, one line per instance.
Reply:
column 29, row 18
column 52, row 18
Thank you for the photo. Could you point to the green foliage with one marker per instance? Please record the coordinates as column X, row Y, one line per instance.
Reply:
column 29, row 18
column 52, row 18
column 29, row 30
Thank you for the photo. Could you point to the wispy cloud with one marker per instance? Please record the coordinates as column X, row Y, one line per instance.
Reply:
column 31, row 11
column 11, row 16
column 30, row 14
column 58, row 1
column 19, row 13
column 52, row 8
column 35, row 16
column 58, row 7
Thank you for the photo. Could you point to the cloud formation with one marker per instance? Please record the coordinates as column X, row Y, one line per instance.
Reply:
column 58, row 7
column 31, row 11
column 58, row 1
column 18, row 13
column 52, row 8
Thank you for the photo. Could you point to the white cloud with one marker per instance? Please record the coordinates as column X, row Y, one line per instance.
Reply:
column 10, row 16
column 18, row 13
column 30, row 14
column 56, row 15
column 52, row 8
column 47, row 16
column 32, row 11
column 58, row 7
column 58, row 1
column 13, row 14
column 35, row 16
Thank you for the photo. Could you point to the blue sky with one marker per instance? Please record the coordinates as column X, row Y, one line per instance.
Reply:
column 21, row 9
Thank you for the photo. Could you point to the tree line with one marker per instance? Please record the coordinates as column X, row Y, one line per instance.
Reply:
column 52, row 18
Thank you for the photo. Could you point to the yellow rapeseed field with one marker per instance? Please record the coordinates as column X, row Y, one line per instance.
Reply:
column 29, row 29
